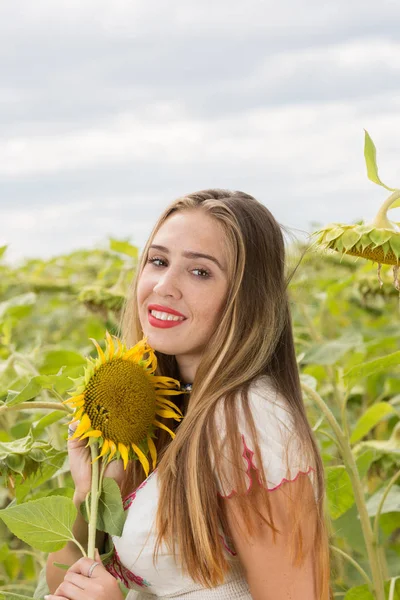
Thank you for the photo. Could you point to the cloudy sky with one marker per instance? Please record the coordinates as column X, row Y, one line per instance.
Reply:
column 109, row 110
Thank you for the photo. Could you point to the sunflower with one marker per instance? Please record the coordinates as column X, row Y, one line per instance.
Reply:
column 118, row 400
column 378, row 241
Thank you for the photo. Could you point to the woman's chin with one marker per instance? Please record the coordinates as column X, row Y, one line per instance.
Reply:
column 160, row 345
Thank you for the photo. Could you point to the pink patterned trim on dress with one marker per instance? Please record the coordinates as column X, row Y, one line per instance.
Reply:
column 119, row 571
column 248, row 456
column 127, row 502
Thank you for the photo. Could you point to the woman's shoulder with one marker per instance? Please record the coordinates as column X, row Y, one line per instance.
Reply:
column 270, row 441
column 266, row 405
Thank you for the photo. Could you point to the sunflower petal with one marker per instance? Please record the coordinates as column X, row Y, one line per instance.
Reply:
column 83, row 427
column 123, row 450
column 77, row 400
column 162, row 426
column 95, row 433
column 77, row 416
column 150, row 364
column 105, row 448
column 113, row 449
column 142, row 458
column 120, row 350
column 99, row 350
column 168, row 414
column 163, row 402
column 165, row 381
column 168, row 392
column 110, row 344
column 153, row 451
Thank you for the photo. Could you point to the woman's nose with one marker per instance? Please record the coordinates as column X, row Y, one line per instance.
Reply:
column 167, row 285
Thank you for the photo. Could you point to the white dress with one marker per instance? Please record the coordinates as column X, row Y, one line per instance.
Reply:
column 132, row 562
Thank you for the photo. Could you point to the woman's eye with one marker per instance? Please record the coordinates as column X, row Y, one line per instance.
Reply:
column 202, row 273
column 160, row 262
column 156, row 261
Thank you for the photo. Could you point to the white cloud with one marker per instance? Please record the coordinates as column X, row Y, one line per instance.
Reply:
column 108, row 111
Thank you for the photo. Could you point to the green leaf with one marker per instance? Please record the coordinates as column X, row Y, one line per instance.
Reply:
column 328, row 353
column 54, row 360
column 20, row 446
column 370, row 161
column 2, row 250
column 124, row 248
column 44, row 524
column 390, row 446
column 395, row 204
column 41, row 587
column 339, row 491
column 364, row 461
column 391, row 504
column 61, row 566
column 372, row 416
column 373, row 367
column 35, row 386
column 359, row 592
column 111, row 515
column 18, row 306
column 24, row 486
column 309, row 380
column 49, row 419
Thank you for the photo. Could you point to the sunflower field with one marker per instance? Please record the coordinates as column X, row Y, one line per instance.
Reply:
column 347, row 333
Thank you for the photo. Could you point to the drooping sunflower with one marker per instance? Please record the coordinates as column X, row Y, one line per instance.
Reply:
column 377, row 241
column 118, row 400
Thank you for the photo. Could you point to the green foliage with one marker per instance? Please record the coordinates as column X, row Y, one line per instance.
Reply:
column 111, row 515
column 45, row 524
column 347, row 332
column 370, row 160
column 339, row 491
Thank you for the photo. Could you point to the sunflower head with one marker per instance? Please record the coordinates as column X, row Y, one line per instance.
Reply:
column 380, row 245
column 118, row 401
column 378, row 241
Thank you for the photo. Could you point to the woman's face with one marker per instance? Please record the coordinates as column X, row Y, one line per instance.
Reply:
column 179, row 283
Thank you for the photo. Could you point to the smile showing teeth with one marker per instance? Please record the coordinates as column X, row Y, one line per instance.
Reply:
column 165, row 316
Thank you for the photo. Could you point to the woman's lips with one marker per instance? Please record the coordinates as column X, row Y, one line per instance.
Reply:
column 161, row 323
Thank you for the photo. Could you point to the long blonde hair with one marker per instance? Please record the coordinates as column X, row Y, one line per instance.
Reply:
column 253, row 338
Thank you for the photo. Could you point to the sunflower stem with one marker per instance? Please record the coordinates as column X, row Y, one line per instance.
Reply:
column 94, row 500
column 33, row 404
column 351, row 467
column 354, row 563
column 81, row 548
column 381, row 221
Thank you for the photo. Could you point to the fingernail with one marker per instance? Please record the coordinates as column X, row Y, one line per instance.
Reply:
column 46, row 597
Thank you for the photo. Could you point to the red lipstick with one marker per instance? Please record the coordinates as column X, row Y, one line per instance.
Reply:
column 160, row 323
column 165, row 309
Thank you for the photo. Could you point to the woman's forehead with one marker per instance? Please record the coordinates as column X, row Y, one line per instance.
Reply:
column 192, row 231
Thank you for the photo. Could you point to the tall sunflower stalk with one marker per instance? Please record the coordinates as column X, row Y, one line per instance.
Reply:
column 118, row 402
column 377, row 241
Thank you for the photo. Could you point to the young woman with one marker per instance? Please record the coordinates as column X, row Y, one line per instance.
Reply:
column 235, row 508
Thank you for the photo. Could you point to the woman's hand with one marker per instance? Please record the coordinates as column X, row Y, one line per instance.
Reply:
column 85, row 582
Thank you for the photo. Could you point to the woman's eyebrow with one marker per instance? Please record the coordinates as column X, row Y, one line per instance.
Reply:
column 189, row 254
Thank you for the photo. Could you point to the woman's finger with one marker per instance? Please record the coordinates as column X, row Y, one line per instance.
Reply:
column 77, row 579
column 69, row 590
column 84, row 566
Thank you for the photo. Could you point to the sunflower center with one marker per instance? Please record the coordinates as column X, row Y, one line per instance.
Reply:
column 121, row 401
